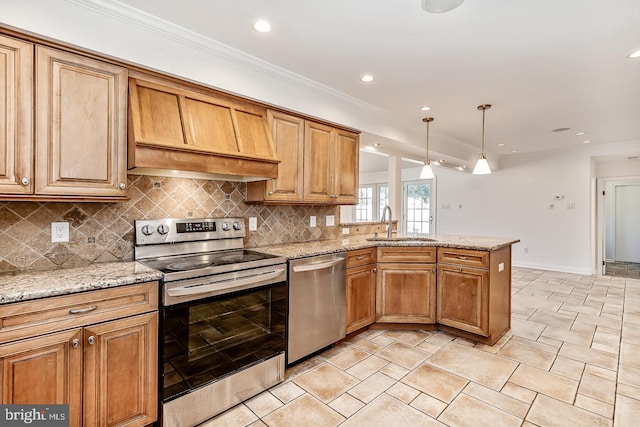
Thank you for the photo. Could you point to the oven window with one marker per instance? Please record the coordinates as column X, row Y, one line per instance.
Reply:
column 206, row 340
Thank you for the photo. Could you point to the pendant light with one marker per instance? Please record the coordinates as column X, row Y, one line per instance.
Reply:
column 440, row 6
column 482, row 166
column 427, row 172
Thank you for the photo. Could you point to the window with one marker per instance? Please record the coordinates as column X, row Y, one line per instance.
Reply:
column 372, row 199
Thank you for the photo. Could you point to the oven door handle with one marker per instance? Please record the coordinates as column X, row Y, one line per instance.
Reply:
column 223, row 284
column 318, row 266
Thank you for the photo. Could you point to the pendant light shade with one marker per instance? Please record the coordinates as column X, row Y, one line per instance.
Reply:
column 427, row 172
column 482, row 166
column 440, row 6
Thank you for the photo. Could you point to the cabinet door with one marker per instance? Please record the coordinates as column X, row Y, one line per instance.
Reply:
column 288, row 137
column 318, row 163
column 44, row 370
column 345, row 177
column 120, row 368
column 463, row 298
column 16, row 94
column 81, row 107
column 361, row 297
column 406, row 293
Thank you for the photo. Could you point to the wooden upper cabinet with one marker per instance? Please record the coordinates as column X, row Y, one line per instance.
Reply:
column 345, row 177
column 80, row 140
column 318, row 164
column 16, row 95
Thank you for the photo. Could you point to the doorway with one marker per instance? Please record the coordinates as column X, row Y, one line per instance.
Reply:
column 621, row 228
column 417, row 207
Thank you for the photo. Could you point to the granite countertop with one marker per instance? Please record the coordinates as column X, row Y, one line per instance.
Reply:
column 33, row 284
column 320, row 247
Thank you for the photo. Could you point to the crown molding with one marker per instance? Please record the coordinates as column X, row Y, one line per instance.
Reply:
column 165, row 29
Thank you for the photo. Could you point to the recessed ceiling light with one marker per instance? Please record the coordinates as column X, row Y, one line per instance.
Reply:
column 261, row 25
column 425, row 108
column 586, row 141
column 515, row 150
column 634, row 55
column 376, row 144
column 560, row 130
column 501, row 145
column 580, row 133
column 367, row 78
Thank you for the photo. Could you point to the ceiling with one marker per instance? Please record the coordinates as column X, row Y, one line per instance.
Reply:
column 543, row 65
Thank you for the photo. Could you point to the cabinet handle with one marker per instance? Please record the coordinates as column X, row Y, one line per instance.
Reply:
column 91, row 340
column 375, row 269
column 24, row 181
column 122, row 186
column 459, row 269
column 360, row 257
column 271, row 193
column 82, row 310
column 75, row 343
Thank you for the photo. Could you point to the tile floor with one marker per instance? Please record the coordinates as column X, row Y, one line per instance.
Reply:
column 572, row 358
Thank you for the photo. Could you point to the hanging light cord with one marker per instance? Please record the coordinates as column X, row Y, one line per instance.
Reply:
column 483, row 107
column 428, row 120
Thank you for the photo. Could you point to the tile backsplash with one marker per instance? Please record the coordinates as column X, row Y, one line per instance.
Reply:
column 101, row 232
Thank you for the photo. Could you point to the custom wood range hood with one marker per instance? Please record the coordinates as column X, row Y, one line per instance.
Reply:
column 175, row 128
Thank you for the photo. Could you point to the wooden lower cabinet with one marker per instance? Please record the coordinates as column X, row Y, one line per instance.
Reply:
column 44, row 370
column 463, row 298
column 406, row 293
column 105, row 370
column 361, row 289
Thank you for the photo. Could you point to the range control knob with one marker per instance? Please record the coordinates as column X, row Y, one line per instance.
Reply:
column 225, row 226
column 147, row 230
column 237, row 225
column 163, row 229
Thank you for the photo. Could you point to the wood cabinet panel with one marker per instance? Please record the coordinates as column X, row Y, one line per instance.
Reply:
column 361, row 257
column 468, row 257
column 157, row 116
column 253, row 130
column 16, row 115
column 209, row 126
column 406, row 293
column 80, row 140
column 120, row 372
column 463, row 298
column 346, row 171
column 44, row 370
column 361, row 297
column 318, row 167
column 407, row 254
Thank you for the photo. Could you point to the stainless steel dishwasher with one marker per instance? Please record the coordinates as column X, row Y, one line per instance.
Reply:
column 317, row 294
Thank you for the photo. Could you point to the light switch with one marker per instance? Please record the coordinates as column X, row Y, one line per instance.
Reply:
column 330, row 220
column 345, row 230
column 501, row 267
column 253, row 223
column 312, row 221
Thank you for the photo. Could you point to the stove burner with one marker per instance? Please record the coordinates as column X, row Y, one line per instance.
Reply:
column 240, row 257
column 188, row 265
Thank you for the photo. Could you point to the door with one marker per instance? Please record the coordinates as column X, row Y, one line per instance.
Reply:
column 288, row 137
column 627, row 226
column 361, row 297
column 345, row 171
column 418, row 208
column 44, row 370
column 406, row 293
column 81, row 113
column 318, row 163
column 120, row 372
column 463, row 298
column 16, row 94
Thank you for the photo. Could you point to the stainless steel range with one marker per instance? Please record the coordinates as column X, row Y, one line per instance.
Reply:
column 223, row 315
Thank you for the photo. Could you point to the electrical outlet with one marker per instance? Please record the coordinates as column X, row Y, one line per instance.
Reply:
column 59, row 232
column 312, row 221
column 330, row 220
column 345, row 230
column 253, row 223
column 526, row 250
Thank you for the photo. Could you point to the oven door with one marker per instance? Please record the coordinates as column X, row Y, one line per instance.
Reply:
column 214, row 337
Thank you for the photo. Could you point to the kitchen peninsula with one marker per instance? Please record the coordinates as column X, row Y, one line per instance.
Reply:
column 459, row 284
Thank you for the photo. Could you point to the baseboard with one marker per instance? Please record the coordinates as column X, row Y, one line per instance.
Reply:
column 558, row 268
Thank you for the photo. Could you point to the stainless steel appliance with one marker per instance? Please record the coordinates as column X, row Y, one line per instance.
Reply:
column 317, row 293
column 223, row 315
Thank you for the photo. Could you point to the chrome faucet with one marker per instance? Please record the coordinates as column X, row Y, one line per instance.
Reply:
column 389, row 226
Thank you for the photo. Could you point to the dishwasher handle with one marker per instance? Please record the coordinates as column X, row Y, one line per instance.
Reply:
column 318, row 266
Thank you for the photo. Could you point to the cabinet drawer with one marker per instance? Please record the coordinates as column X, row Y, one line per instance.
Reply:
column 469, row 257
column 361, row 257
column 37, row 317
column 407, row 254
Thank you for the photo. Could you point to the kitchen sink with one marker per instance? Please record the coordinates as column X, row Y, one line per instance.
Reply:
column 401, row 239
